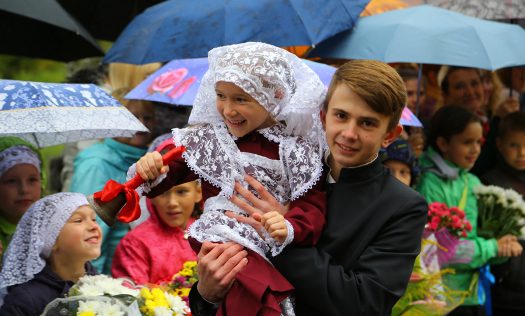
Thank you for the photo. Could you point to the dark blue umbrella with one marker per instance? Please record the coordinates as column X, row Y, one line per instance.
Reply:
column 178, row 29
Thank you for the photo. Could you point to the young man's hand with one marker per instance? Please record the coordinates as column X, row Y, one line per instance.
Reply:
column 150, row 166
column 506, row 247
column 218, row 264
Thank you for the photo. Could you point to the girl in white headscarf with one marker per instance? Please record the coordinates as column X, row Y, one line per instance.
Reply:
column 256, row 114
column 21, row 183
column 50, row 250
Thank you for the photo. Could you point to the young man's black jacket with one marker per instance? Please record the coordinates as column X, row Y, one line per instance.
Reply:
column 366, row 252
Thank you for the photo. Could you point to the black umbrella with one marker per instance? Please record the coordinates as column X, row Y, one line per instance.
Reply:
column 106, row 19
column 43, row 29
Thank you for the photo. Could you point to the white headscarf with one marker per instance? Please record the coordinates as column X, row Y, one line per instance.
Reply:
column 276, row 79
column 35, row 236
column 16, row 155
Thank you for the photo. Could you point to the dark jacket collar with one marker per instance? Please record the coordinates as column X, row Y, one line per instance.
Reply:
column 366, row 172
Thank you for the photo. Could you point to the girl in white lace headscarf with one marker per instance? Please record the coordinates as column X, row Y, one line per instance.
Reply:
column 50, row 249
column 21, row 179
column 256, row 113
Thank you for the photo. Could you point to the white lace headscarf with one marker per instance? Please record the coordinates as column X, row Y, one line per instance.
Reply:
column 275, row 78
column 35, row 236
column 16, row 155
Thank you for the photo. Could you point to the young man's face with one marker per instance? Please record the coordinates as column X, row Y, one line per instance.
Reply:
column 465, row 89
column 354, row 131
column 512, row 148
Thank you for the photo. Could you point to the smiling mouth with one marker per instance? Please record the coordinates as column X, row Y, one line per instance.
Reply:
column 346, row 148
column 236, row 123
column 93, row 240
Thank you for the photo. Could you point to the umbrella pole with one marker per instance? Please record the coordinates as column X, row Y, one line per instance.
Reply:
column 419, row 76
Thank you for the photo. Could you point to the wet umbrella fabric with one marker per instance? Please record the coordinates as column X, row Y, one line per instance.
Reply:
column 484, row 9
column 48, row 114
column 179, row 29
column 429, row 35
column 43, row 29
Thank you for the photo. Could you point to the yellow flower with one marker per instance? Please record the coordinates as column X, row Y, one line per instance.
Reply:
column 184, row 292
column 186, row 272
column 145, row 293
column 189, row 264
column 86, row 313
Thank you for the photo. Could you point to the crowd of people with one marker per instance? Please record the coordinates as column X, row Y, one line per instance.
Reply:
column 295, row 200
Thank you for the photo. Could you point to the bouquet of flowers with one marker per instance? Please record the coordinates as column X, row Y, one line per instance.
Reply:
column 184, row 280
column 500, row 211
column 102, row 295
column 448, row 225
column 426, row 294
column 97, row 295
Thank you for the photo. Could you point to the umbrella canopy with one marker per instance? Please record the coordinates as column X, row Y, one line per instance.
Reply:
column 178, row 81
column 484, row 9
column 179, row 29
column 429, row 35
column 106, row 19
column 48, row 114
column 43, row 29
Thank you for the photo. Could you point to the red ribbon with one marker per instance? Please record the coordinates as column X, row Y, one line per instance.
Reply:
column 131, row 210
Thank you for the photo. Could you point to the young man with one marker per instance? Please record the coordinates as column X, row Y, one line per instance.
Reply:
column 363, row 260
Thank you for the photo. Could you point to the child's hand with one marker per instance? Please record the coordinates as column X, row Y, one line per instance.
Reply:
column 275, row 225
column 150, row 166
column 505, row 245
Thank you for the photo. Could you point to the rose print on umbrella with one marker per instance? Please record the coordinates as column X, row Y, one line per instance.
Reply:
column 172, row 81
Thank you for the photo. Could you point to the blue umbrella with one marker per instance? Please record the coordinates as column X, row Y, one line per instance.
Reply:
column 177, row 83
column 429, row 35
column 48, row 114
column 179, row 29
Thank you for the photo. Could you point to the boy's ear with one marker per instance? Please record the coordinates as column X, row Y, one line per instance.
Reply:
column 322, row 114
column 442, row 144
column 392, row 135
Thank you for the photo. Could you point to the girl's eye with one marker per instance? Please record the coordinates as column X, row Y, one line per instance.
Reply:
column 241, row 100
column 220, row 96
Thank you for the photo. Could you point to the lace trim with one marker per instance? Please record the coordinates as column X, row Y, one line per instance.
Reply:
column 147, row 186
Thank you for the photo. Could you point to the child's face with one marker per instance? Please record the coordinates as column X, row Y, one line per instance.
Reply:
column 400, row 171
column 354, row 131
column 81, row 236
column 411, row 86
column 144, row 111
column 463, row 149
column 512, row 148
column 241, row 113
column 176, row 205
column 19, row 188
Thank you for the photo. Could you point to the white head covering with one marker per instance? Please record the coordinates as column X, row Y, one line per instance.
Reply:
column 275, row 78
column 35, row 236
column 16, row 155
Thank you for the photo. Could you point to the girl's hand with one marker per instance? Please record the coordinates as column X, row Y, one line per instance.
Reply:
column 275, row 225
column 516, row 249
column 150, row 166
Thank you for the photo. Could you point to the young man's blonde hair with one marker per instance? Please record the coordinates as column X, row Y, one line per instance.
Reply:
column 378, row 84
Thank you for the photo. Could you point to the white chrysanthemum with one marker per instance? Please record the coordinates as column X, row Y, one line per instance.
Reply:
column 111, row 310
column 89, row 289
column 162, row 311
column 88, row 306
column 177, row 304
column 513, row 197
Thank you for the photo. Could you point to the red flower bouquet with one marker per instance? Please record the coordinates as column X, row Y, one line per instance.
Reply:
column 448, row 224
column 453, row 219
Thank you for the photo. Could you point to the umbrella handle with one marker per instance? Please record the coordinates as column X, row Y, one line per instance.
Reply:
column 167, row 158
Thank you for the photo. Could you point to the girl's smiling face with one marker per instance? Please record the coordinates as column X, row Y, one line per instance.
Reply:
column 463, row 149
column 241, row 113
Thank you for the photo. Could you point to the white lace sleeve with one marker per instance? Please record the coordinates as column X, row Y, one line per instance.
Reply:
column 146, row 187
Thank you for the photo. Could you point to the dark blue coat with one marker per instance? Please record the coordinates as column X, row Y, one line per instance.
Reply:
column 31, row 298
